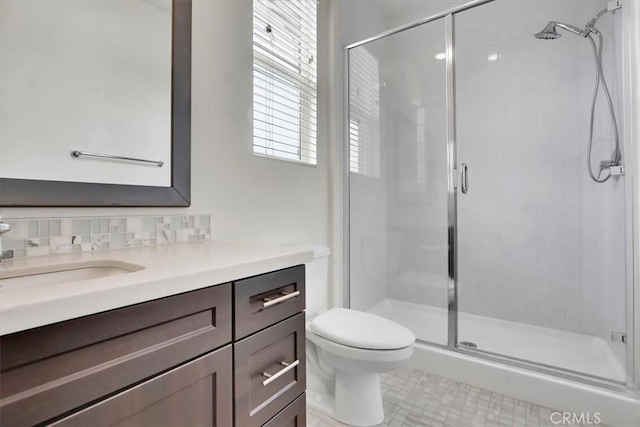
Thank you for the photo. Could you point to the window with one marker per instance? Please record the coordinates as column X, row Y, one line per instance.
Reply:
column 285, row 79
column 364, row 113
column 354, row 145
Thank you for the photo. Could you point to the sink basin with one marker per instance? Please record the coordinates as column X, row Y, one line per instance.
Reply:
column 64, row 273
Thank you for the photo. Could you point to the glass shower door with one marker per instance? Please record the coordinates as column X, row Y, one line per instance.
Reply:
column 398, row 179
column 541, row 247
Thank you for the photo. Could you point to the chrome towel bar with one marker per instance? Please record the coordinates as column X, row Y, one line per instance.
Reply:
column 76, row 154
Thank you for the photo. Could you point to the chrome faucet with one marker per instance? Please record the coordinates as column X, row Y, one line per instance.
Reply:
column 4, row 228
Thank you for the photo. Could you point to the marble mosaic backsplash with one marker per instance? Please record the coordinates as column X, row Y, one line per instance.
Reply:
column 34, row 237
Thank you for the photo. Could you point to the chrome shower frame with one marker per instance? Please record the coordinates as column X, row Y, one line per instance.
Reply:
column 632, row 244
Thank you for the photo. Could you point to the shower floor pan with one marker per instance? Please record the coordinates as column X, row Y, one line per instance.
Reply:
column 561, row 349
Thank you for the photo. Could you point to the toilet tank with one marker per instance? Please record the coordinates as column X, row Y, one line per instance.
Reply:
column 317, row 280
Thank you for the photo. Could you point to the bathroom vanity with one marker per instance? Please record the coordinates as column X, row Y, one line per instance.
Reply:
column 225, row 354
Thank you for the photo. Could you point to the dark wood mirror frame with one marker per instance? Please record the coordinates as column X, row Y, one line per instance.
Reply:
column 27, row 192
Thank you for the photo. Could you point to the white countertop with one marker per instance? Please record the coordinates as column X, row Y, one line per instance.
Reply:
column 168, row 270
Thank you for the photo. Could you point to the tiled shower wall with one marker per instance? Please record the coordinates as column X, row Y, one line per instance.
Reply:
column 33, row 237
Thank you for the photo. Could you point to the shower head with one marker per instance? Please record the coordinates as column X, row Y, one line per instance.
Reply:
column 549, row 32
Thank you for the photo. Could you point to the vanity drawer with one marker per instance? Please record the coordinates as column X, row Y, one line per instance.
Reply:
column 258, row 396
column 48, row 370
column 294, row 415
column 264, row 300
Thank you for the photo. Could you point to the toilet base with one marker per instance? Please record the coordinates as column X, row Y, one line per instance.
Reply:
column 344, row 382
column 359, row 401
column 358, row 398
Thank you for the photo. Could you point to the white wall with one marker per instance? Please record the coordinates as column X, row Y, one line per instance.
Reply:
column 360, row 19
column 330, row 48
column 249, row 197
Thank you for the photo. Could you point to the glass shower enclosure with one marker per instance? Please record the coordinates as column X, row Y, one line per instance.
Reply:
column 472, row 219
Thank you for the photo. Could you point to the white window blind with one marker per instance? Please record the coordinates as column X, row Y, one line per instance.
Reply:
column 285, row 79
column 364, row 113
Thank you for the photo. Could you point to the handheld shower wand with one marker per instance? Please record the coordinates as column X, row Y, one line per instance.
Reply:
column 549, row 32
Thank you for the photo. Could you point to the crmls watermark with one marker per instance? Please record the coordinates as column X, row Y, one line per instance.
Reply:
column 581, row 418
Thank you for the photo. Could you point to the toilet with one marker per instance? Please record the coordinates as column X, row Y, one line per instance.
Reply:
column 347, row 350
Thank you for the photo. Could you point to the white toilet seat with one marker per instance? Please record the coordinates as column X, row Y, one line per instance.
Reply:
column 361, row 330
column 360, row 354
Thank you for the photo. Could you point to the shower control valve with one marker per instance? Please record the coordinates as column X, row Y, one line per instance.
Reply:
column 612, row 167
column 616, row 170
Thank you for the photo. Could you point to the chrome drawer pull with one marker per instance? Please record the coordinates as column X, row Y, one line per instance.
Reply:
column 281, row 372
column 268, row 302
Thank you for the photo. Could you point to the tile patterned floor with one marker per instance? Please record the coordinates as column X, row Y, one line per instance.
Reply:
column 415, row 398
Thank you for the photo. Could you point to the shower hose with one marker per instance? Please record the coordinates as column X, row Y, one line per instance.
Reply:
column 616, row 155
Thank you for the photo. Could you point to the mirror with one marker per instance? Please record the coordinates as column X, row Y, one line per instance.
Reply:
column 95, row 106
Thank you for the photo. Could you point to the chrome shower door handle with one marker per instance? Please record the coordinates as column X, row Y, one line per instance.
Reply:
column 464, row 186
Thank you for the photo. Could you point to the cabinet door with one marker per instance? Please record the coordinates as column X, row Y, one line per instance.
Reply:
column 197, row 394
column 49, row 371
column 269, row 371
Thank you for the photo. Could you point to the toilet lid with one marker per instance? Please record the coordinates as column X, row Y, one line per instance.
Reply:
column 358, row 329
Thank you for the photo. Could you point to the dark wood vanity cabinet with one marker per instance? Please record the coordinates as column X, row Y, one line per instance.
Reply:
column 168, row 362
